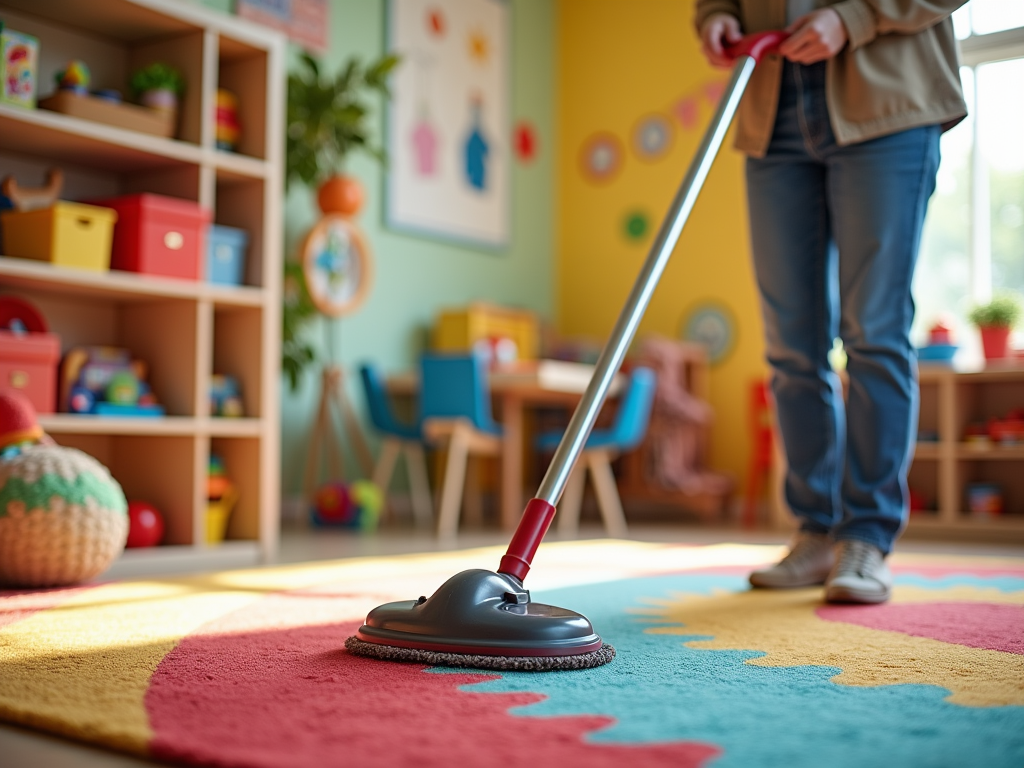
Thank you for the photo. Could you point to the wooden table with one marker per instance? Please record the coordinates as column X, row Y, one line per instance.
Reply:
column 514, row 391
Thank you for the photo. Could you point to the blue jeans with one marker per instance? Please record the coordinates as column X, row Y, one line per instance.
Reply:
column 835, row 234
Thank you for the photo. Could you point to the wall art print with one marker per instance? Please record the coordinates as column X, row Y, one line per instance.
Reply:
column 448, row 121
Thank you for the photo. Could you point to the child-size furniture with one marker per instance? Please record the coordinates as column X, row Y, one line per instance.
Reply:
column 602, row 446
column 186, row 330
column 455, row 406
column 397, row 439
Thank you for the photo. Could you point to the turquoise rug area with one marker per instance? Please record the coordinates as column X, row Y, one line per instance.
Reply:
column 659, row 690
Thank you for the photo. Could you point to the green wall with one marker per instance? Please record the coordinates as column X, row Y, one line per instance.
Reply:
column 414, row 276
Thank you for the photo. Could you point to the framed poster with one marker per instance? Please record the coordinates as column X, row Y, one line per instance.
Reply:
column 449, row 170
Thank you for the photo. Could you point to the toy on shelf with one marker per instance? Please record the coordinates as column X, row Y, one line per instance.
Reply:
column 940, row 347
column 221, row 497
column 225, row 397
column 1009, row 430
column 228, row 129
column 336, row 505
column 106, row 381
column 145, row 525
column 29, row 353
column 984, row 500
column 75, row 77
column 19, row 54
column 62, row 516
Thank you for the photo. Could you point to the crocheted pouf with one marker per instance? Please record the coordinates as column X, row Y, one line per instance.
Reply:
column 63, row 518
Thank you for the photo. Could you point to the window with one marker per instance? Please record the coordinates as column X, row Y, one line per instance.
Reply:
column 973, row 243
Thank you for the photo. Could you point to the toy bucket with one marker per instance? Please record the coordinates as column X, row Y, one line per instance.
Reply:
column 217, row 514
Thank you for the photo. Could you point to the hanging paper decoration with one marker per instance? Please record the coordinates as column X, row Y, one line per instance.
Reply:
column 652, row 137
column 524, row 140
column 601, row 158
column 685, row 111
column 435, row 22
column 635, row 225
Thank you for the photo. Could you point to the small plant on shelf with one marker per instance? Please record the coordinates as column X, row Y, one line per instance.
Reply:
column 995, row 321
column 157, row 85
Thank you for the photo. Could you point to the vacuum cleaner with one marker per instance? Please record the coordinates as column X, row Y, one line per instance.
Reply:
column 484, row 619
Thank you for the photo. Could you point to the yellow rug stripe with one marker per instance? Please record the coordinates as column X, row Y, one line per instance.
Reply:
column 784, row 626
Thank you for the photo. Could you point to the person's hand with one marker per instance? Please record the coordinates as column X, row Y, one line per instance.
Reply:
column 719, row 30
column 814, row 37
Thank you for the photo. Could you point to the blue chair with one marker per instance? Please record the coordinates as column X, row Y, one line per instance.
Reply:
column 603, row 445
column 455, row 407
column 397, row 439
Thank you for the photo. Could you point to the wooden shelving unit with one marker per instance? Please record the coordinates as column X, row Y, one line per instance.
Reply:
column 185, row 331
column 943, row 470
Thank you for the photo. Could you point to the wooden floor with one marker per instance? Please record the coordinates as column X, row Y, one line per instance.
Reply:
column 24, row 748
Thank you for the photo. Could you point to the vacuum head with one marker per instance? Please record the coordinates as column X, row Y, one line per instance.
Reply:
column 483, row 620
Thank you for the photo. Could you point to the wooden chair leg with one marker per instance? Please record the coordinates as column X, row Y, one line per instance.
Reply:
column 572, row 500
column 472, row 501
column 419, row 486
column 599, row 463
column 385, row 468
column 454, row 479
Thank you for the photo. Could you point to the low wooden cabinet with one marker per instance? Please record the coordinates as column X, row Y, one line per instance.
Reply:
column 946, row 465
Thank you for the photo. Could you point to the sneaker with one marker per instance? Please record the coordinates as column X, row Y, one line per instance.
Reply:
column 808, row 563
column 860, row 574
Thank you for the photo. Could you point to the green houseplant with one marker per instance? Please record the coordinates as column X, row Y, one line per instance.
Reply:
column 327, row 120
column 995, row 321
column 158, row 86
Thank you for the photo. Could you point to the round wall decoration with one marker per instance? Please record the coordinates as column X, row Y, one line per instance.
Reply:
column 712, row 324
column 636, row 225
column 601, row 158
column 337, row 264
column 652, row 137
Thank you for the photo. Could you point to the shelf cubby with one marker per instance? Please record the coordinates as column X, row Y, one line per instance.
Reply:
column 239, row 202
column 241, row 456
column 159, row 469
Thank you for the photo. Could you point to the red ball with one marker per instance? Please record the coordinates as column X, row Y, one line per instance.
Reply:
column 145, row 525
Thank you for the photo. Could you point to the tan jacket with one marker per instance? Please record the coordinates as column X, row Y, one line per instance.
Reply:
column 899, row 69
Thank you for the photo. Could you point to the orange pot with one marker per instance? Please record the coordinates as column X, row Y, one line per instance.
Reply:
column 340, row 194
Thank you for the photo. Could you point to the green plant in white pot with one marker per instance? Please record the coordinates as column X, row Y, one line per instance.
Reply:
column 158, row 86
column 996, row 320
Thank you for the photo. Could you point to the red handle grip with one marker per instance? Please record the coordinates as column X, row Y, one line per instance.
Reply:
column 757, row 45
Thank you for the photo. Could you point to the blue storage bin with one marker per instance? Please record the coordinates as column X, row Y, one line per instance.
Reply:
column 225, row 255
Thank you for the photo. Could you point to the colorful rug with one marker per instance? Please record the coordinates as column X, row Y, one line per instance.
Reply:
column 247, row 668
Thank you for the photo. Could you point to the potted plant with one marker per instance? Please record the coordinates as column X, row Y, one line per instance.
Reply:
column 158, row 86
column 995, row 321
column 327, row 119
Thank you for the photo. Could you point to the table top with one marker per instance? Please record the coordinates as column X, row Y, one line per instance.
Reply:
column 550, row 380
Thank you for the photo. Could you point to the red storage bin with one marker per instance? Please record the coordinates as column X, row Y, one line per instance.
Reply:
column 157, row 235
column 28, row 363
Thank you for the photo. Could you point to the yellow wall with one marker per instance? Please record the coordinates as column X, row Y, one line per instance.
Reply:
column 619, row 61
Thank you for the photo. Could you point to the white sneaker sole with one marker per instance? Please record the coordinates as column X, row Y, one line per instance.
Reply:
column 854, row 595
column 762, row 582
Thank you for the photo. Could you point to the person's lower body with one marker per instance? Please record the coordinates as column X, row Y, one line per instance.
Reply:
column 835, row 234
